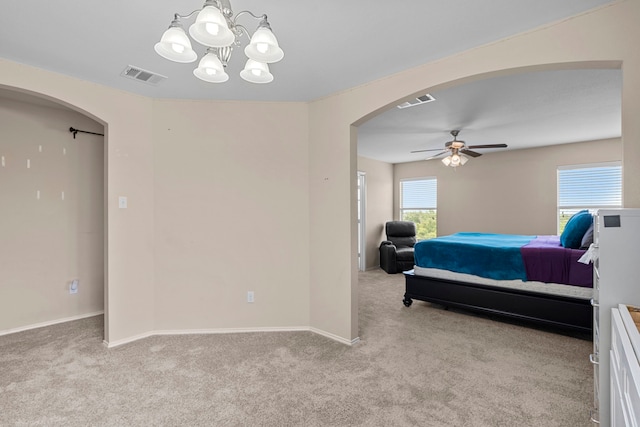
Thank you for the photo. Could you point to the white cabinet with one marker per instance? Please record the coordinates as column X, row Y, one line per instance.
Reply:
column 624, row 369
column 616, row 280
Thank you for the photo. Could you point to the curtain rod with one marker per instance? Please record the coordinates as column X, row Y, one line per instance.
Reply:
column 75, row 131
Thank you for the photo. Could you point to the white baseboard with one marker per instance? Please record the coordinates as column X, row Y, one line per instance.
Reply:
column 335, row 337
column 49, row 323
column 230, row 330
column 117, row 343
column 112, row 344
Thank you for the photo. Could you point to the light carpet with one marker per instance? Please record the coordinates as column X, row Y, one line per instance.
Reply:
column 417, row 366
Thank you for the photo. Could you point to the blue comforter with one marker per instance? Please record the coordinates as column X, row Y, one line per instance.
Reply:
column 496, row 256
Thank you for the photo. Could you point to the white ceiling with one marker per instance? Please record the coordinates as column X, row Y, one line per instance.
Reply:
column 330, row 46
column 522, row 111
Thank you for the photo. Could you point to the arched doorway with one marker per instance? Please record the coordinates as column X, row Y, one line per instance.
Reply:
column 54, row 215
column 453, row 209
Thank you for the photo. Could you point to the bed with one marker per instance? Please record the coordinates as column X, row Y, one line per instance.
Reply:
column 532, row 278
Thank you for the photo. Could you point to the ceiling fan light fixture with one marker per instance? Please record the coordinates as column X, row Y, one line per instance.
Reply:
column 458, row 152
column 455, row 160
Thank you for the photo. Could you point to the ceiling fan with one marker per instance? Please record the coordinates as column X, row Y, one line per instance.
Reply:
column 458, row 151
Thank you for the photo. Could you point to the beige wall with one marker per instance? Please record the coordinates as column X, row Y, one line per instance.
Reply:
column 504, row 192
column 129, row 161
column 49, row 241
column 232, row 210
column 231, row 214
column 379, row 207
column 601, row 38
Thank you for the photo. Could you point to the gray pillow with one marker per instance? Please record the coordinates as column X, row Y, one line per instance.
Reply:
column 587, row 239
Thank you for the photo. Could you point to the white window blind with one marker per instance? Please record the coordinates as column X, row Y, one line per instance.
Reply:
column 590, row 187
column 419, row 193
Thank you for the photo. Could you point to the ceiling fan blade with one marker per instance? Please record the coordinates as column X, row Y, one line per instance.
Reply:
column 439, row 154
column 470, row 153
column 488, row 146
column 422, row 151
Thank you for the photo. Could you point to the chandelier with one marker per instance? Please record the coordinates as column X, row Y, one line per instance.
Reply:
column 216, row 28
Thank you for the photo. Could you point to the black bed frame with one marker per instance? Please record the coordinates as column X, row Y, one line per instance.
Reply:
column 567, row 313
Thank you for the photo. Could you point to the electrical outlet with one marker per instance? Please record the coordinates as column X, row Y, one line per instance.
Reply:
column 250, row 296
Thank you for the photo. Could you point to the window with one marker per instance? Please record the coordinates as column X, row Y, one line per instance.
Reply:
column 418, row 203
column 588, row 187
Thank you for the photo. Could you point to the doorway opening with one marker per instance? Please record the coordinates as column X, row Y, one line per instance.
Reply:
column 362, row 210
column 54, row 266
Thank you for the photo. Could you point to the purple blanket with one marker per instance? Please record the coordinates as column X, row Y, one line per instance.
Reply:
column 545, row 260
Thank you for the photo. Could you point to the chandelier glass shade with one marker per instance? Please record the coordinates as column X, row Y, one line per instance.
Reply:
column 211, row 29
column 256, row 72
column 210, row 69
column 175, row 46
column 216, row 28
column 264, row 47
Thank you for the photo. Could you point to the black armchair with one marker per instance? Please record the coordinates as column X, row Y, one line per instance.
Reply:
column 396, row 253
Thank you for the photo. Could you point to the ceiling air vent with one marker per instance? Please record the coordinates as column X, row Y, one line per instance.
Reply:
column 141, row 75
column 417, row 101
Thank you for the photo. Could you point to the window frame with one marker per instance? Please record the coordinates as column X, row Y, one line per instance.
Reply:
column 401, row 209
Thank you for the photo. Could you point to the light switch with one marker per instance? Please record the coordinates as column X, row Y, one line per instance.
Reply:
column 122, row 202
